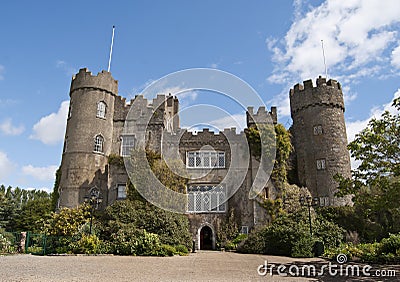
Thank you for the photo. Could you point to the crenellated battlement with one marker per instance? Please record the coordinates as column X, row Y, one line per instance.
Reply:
column 262, row 116
column 325, row 93
column 102, row 81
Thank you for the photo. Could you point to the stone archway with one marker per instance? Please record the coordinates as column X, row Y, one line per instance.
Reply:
column 206, row 238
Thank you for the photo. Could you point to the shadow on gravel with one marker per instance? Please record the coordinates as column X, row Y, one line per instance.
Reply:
column 333, row 271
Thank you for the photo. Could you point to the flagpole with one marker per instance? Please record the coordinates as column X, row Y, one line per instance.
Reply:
column 323, row 54
column 112, row 43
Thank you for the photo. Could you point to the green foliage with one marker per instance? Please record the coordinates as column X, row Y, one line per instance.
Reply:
column 171, row 228
column 283, row 150
column 68, row 221
column 32, row 215
column 303, row 247
column 167, row 250
column 181, row 250
column 87, row 244
column 280, row 137
column 273, row 207
column 171, row 180
column 6, row 242
column 375, row 184
column 22, row 210
column 254, row 243
column 131, row 241
column 353, row 219
column 391, row 244
column 289, row 235
column 227, row 229
column 233, row 244
column 386, row 251
column 117, row 160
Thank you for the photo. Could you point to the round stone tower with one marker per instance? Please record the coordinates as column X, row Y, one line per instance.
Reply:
column 319, row 137
column 88, row 136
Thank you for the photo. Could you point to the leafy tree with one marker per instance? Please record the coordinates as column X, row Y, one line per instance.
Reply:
column 375, row 184
column 32, row 215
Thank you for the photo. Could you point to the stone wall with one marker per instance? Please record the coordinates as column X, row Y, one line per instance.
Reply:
column 319, row 135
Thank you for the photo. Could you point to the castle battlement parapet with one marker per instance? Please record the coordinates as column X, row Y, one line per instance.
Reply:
column 306, row 95
column 102, row 81
column 262, row 116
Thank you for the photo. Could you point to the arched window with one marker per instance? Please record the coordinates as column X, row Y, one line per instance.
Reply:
column 98, row 144
column 101, row 109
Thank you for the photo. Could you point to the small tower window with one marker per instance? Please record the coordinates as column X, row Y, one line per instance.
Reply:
column 101, row 109
column 318, row 130
column 321, row 164
column 98, row 144
column 244, row 230
column 121, row 191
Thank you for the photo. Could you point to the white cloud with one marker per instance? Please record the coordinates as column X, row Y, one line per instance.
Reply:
column 46, row 173
column 396, row 57
column 9, row 129
column 6, row 166
column 355, row 33
column 2, row 69
column 51, row 128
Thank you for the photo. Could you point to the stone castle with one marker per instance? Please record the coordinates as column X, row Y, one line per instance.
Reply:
column 95, row 131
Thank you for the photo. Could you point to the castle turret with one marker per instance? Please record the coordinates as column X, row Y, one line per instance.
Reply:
column 319, row 137
column 261, row 117
column 88, row 137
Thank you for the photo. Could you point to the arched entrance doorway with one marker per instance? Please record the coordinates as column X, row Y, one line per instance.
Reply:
column 206, row 238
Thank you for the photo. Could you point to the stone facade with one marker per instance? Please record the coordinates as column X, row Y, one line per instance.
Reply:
column 95, row 130
column 319, row 137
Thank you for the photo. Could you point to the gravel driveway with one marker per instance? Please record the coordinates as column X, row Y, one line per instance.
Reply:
column 201, row 266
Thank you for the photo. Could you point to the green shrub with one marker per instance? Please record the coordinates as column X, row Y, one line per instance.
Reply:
column 239, row 238
column 386, row 251
column 35, row 250
column 254, row 243
column 132, row 241
column 167, row 250
column 87, row 244
column 6, row 242
column 172, row 229
column 390, row 245
column 148, row 244
column 303, row 248
column 289, row 235
column 181, row 250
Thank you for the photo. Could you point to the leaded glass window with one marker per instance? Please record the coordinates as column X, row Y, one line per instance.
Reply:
column 206, row 198
column 127, row 145
column 98, row 143
column 205, row 159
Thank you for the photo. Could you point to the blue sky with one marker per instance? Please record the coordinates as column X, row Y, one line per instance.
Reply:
column 272, row 45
